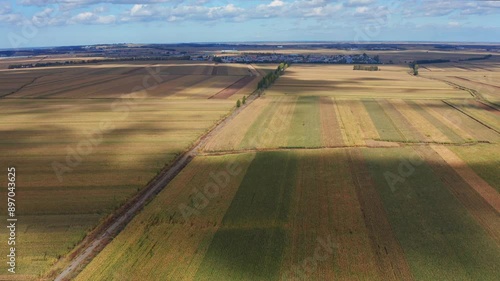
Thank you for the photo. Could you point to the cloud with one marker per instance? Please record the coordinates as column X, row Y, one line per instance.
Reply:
column 276, row 3
column 91, row 18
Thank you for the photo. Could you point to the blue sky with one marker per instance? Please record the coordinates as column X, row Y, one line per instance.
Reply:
column 25, row 23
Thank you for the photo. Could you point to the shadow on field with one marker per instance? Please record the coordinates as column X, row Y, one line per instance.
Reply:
column 426, row 219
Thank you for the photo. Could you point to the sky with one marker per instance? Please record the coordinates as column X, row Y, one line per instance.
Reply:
column 39, row 23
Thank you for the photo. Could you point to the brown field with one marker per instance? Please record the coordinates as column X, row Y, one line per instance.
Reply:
column 162, row 79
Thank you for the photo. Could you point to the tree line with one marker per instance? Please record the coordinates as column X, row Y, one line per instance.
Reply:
column 269, row 79
column 75, row 62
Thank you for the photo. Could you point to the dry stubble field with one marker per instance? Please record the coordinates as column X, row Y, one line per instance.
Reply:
column 336, row 183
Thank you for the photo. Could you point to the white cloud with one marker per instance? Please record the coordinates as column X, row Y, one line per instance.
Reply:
column 91, row 18
column 362, row 10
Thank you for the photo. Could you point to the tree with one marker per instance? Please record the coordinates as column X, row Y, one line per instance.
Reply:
column 415, row 69
column 238, row 103
column 244, row 100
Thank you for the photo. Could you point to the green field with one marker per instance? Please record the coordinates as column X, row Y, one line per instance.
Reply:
column 285, row 201
column 438, row 235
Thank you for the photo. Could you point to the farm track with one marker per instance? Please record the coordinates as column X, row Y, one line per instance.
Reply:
column 93, row 244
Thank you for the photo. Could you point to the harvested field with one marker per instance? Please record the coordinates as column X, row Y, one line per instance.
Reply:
column 272, row 220
column 481, row 77
column 83, row 151
column 160, row 79
column 342, row 81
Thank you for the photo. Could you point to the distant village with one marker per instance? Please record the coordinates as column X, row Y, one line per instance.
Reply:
column 228, row 56
column 298, row 58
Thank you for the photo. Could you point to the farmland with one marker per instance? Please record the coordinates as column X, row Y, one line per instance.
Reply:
column 266, row 224
column 342, row 175
column 85, row 139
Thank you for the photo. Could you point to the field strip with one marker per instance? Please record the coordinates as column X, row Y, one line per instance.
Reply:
column 261, row 199
column 457, row 130
column 391, row 259
column 280, row 123
column 368, row 128
column 305, row 126
column 93, row 244
column 388, row 131
column 352, row 128
column 484, row 214
column 345, row 138
column 327, row 206
column 488, row 193
column 330, row 128
column 405, row 126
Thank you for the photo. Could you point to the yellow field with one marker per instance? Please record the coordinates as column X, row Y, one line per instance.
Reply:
column 342, row 81
column 161, row 79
